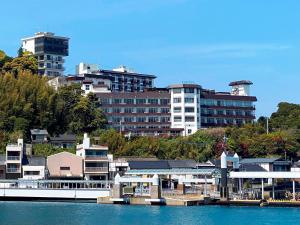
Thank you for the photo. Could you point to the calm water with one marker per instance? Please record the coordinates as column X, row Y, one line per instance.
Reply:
column 31, row 213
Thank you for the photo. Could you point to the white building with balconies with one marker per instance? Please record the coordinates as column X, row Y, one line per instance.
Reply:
column 14, row 156
column 185, row 107
column 96, row 161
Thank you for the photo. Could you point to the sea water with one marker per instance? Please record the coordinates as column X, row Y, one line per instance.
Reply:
column 58, row 213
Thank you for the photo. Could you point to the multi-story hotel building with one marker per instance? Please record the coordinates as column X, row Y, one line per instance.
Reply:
column 228, row 108
column 132, row 106
column 117, row 80
column 178, row 109
column 50, row 51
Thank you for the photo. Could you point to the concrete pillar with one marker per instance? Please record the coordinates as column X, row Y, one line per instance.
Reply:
column 155, row 189
column 240, row 186
column 294, row 191
column 262, row 189
column 224, row 186
column 273, row 190
column 181, row 186
column 205, row 186
column 117, row 188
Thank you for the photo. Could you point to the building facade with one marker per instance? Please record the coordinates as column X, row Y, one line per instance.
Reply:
column 14, row 157
column 139, row 113
column 50, row 51
column 95, row 160
column 185, row 107
column 220, row 109
column 117, row 80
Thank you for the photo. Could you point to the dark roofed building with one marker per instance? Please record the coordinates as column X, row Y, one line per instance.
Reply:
column 63, row 140
column 162, row 164
column 39, row 136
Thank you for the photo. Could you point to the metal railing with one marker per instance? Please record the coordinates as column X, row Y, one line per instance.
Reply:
column 13, row 170
column 56, row 184
column 13, row 157
column 96, row 169
column 96, row 157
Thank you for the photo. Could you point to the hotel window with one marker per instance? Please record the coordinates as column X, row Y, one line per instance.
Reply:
column 229, row 112
column 220, row 112
column 141, row 119
column 189, row 109
column 140, row 110
column 210, row 120
column 129, row 101
column 117, row 100
column 177, row 119
column 128, row 119
column 49, row 65
column 152, row 110
column 176, row 90
column 189, row 90
column 116, row 110
column 105, row 101
column 189, row 119
column 116, row 119
column 153, row 101
column 176, row 100
column 177, row 109
column 164, row 110
column 189, row 100
column 128, row 110
column 164, row 101
column 152, row 119
column 165, row 119
column 220, row 121
column 239, row 113
column 140, row 101
column 248, row 113
column 87, row 87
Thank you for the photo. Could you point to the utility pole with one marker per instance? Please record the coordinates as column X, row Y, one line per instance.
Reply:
column 267, row 125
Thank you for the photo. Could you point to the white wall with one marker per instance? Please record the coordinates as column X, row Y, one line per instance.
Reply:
column 40, row 169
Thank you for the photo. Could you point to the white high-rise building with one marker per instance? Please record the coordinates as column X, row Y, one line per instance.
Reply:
column 185, row 107
column 50, row 51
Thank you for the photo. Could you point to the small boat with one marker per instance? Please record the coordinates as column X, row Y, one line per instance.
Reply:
column 263, row 203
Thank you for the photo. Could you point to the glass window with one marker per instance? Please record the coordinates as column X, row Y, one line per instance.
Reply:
column 177, row 109
column 140, row 110
column 129, row 101
column 176, row 90
column 128, row 110
column 189, row 109
column 189, row 100
column 176, row 100
column 153, row 101
column 140, row 101
column 153, row 110
column 189, row 90
column 164, row 101
column 164, row 110
column 177, row 118
column 189, row 119
column 117, row 100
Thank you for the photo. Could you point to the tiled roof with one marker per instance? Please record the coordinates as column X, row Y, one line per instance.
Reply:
column 162, row 164
column 34, row 161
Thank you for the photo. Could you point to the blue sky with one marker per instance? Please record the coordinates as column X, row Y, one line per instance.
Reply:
column 210, row 42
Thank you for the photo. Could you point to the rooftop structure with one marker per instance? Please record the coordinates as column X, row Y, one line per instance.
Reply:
column 50, row 51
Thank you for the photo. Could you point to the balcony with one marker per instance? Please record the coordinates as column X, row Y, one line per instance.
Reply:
column 96, row 158
column 13, row 158
column 13, row 170
column 96, row 169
